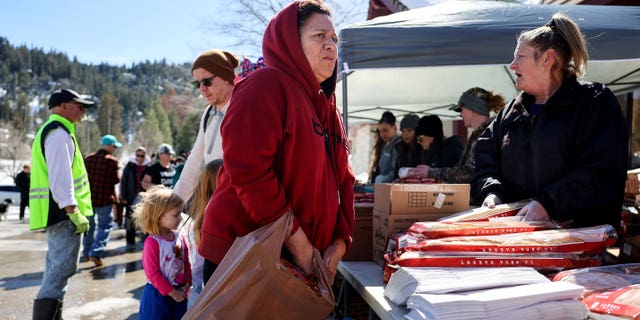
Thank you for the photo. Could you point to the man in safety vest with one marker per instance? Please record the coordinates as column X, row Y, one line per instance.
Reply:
column 59, row 197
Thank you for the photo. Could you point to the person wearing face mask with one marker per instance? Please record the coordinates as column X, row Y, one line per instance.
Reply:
column 560, row 142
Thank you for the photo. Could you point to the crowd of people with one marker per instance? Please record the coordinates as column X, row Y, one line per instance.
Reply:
column 272, row 142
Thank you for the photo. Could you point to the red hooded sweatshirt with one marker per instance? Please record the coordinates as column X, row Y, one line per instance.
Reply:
column 275, row 155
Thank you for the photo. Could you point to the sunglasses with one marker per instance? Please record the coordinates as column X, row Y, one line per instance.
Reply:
column 206, row 81
column 139, row 155
column 80, row 105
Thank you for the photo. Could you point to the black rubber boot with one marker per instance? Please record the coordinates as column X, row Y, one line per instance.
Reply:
column 131, row 231
column 47, row 309
column 58, row 315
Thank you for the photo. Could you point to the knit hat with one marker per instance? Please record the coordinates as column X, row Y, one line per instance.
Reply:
column 473, row 103
column 409, row 121
column 430, row 126
column 219, row 63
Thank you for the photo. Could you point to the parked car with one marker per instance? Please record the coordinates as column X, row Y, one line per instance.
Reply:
column 10, row 192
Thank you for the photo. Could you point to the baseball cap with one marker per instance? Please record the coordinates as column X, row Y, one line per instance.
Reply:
column 109, row 140
column 61, row 96
column 166, row 149
column 472, row 102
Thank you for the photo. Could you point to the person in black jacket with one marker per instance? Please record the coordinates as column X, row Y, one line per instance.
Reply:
column 439, row 151
column 409, row 151
column 23, row 181
column 130, row 186
column 560, row 142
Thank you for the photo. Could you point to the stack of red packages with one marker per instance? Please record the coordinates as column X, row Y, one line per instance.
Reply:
column 612, row 290
column 363, row 197
column 485, row 213
column 562, row 248
column 498, row 243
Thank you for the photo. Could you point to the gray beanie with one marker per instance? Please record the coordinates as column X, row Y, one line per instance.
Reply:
column 409, row 121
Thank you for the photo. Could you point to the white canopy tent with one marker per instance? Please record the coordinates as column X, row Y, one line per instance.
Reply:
column 421, row 60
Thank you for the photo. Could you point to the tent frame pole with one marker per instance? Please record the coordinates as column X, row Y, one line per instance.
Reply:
column 345, row 103
column 630, row 129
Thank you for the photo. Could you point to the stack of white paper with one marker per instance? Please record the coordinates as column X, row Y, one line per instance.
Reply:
column 407, row 281
column 551, row 300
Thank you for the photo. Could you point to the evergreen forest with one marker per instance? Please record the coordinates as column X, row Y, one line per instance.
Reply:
column 146, row 103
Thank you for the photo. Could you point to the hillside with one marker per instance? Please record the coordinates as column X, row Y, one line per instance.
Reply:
column 143, row 104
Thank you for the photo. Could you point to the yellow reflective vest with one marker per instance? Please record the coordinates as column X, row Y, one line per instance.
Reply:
column 43, row 210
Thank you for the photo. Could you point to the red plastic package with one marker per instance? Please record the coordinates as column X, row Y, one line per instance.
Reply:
column 440, row 229
column 623, row 302
column 592, row 240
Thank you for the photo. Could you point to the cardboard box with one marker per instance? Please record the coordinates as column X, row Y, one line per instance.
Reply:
column 363, row 210
column 632, row 186
column 361, row 247
column 362, row 226
column 386, row 225
column 630, row 250
column 406, row 199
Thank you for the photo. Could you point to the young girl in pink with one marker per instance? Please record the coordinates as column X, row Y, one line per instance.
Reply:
column 165, row 257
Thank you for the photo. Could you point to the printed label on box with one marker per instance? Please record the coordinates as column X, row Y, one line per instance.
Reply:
column 439, row 200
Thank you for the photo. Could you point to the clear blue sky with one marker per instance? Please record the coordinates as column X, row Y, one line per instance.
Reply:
column 116, row 31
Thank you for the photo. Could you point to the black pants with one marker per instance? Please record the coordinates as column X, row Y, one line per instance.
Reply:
column 24, row 203
column 129, row 225
column 208, row 268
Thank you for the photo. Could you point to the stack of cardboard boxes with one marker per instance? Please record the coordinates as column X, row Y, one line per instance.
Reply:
column 398, row 206
column 361, row 246
column 630, row 224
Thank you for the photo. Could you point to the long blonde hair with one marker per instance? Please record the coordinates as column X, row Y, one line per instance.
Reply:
column 205, row 187
column 153, row 204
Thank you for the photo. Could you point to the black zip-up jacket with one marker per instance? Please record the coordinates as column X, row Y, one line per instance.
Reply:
column 571, row 157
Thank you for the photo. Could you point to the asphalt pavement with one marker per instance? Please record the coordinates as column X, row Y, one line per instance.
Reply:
column 111, row 291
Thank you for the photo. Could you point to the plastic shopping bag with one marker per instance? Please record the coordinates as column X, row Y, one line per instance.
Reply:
column 253, row 282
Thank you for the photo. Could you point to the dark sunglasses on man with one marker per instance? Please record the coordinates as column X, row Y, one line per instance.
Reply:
column 206, row 82
column 80, row 105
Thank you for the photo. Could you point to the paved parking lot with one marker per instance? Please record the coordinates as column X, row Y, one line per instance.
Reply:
column 108, row 292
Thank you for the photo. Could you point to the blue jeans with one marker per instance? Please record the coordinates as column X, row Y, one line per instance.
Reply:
column 61, row 262
column 155, row 306
column 95, row 247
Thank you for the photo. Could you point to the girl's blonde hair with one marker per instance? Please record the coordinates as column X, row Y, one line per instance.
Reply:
column 153, row 204
column 205, row 187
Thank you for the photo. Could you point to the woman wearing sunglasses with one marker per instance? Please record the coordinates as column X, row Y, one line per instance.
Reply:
column 130, row 186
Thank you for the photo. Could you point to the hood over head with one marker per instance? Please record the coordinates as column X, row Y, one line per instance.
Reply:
column 282, row 49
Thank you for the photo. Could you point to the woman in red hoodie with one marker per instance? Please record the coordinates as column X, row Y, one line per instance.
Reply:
column 285, row 147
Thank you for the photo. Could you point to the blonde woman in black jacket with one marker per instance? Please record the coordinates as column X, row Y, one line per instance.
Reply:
column 561, row 142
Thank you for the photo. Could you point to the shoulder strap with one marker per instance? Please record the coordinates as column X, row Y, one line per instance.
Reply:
column 45, row 131
column 207, row 115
